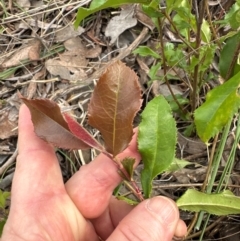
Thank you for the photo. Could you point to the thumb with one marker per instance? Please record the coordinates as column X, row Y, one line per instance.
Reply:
column 155, row 219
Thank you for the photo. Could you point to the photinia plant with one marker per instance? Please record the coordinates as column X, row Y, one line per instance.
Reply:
column 114, row 103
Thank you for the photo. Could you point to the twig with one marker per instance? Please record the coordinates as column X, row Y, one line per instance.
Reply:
column 207, row 229
column 121, row 56
column 86, row 82
column 9, row 161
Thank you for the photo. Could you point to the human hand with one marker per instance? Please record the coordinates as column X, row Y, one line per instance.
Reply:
column 44, row 209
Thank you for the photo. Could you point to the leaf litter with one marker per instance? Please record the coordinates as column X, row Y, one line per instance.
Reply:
column 43, row 36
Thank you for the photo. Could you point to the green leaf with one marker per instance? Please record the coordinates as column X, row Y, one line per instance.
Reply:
column 205, row 58
column 127, row 200
column 177, row 164
column 227, row 56
column 221, row 104
column 128, row 163
column 96, row 3
column 207, row 54
column 100, row 5
column 3, row 198
column 156, row 140
column 151, row 12
column 206, row 32
column 174, row 56
column 173, row 104
column 154, row 70
column 146, row 51
column 2, row 223
column 235, row 20
column 232, row 17
column 171, row 4
column 224, row 203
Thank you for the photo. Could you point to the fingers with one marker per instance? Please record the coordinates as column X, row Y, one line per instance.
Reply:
column 92, row 186
column 156, row 219
column 110, row 218
column 37, row 169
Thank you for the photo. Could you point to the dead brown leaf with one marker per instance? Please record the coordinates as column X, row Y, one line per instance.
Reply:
column 119, row 24
column 76, row 45
column 34, row 51
column 191, row 145
column 143, row 18
column 25, row 4
column 68, row 32
column 30, row 50
column 8, row 122
column 62, row 69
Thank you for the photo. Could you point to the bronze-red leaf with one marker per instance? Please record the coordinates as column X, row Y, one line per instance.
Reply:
column 50, row 125
column 115, row 101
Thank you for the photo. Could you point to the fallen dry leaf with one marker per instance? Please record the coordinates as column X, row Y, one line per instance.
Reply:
column 24, row 4
column 73, row 61
column 8, row 122
column 30, row 50
column 68, row 32
column 34, row 51
column 76, row 45
column 143, row 18
column 191, row 145
column 114, row 103
column 119, row 24
column 67, row 71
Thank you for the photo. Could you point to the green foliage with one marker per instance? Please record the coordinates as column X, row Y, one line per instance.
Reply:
column 221, row 104
column 157, row 131
column 175, row 56
column 173, row 4
column 229, row 64
column 3, row 199
column 146, row 51
column 127, row 200
column 205, row 58
column 224, row 203
column 156, row 140
column 181, row 100
column 97, row 5
column 153, row 71
column 177, row 164
column 128, row 163
column 232, row 17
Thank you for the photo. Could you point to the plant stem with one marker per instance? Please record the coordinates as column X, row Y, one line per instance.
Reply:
column 177, row 32
column 165, row 66
column 210, row 164
column 199, row 20
column 212, row 27
column 128, row 180
column 215, row 165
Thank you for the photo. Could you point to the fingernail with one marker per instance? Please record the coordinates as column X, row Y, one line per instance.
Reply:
column 164, row 208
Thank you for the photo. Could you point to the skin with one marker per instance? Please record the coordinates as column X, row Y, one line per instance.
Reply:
column 44, row 209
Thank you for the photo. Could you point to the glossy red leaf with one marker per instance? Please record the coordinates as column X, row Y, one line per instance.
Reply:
column 81, row 133
column 50, row 126
column 115, row 101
